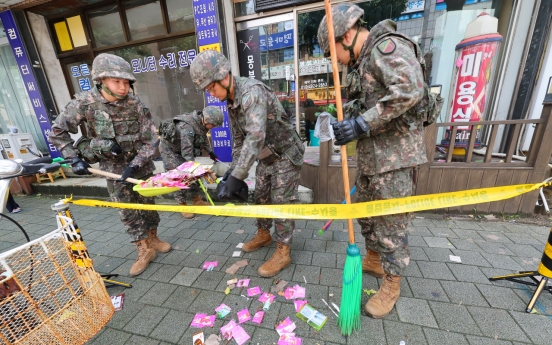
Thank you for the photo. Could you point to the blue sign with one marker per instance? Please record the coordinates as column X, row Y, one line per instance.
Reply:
column 206, row 23
column 207, row 33
column 277, row 41
column 26, row 71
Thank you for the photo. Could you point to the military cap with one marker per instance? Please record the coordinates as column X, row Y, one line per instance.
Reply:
column 209, row 66
column 111, row 66
column 344, row 16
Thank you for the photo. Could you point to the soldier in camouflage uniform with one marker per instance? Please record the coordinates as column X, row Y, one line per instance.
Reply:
column 261, row 131
column 182, row 139
column 121, row 136
column 388, row 81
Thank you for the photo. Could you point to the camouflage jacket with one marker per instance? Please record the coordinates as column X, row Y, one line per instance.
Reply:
column 126, row 122
column 189, row 138
column 258, row 120
column 391, row 84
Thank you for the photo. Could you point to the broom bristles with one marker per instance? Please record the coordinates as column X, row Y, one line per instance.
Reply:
column 349, row 310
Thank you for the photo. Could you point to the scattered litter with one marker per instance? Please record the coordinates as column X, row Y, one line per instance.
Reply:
column 243, row 316
column 493, row 237
column 240, row 335
column 239, row 245
column 455, row 258
column 232, row 269
column 236, row 254
column 443, row 234
column 299, row 303
column 402, row 342
column 213, row 339
column 267, row 296
column 222, row 310
column 417, row 217
column 335, row 306
column 266, row 305
column 490, row 217
column 286, row 326
column 295, row 292
column 312, row 317
column 197, row 251
column 118, row 300
column 227, row 290
column 534, row 311
column 243, row 283
column 289, row 339
column 331, row 295
column 203, row 320
column 258, row 318
column 198, row 338
column 326, row 303
column 254, row 291
column 210, row 265
column 67, row 314
column 228, row 329
column 232, row 281
column 305, row 279
column 240, row 231
column 369, row 292
column 278, row 286
column 242, row 263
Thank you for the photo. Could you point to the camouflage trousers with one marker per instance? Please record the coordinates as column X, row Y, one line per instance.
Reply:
column 387, row 235
column 277, row 184
column 171, row 160
column 137, row 222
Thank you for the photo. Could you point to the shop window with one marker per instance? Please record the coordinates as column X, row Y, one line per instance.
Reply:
column 244, row 7
column 144, row 19
column 162, row 71
column 70, row 33
column 181, row 16
column 106, row 25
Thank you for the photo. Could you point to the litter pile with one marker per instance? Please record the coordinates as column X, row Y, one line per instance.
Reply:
column 181, row 177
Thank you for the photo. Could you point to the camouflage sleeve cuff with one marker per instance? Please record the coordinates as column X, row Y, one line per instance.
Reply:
column 240, row 173
column 68, row 152
column 372, row 118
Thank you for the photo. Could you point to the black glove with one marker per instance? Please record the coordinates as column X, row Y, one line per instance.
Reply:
column 116, row 150
column 227, row 174
column 233, row 185
column 225, row 195
column 349, row 129
column 213, row 156
column 79, row 166
column 128, row 172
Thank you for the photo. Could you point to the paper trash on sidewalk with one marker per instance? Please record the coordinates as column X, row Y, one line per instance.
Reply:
column 243, row 283
column 299, row 304
column 455, row 258
column 209, row 265
column 258, row 318
column 242, row 263
column 222, row 310
column 236, row 254
column 254, row 291
column 203, row 320
column 289, row 339
column 243, row 316
column 286, row 326
column 118, row 301
column 213, row 339
column 267, row 296
column 295, row 292
column 239, row 245
column 312, row 317
column 198, row 339
column 228, row 329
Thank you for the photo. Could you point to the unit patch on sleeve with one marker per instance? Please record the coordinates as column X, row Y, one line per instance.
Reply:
column 387, row 46
column 247, row 100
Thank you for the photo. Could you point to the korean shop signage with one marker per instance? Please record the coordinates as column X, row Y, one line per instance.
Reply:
column 277, row 40
column 208, row 37
column 82, row 73
column 26, row 71
column 249, row 54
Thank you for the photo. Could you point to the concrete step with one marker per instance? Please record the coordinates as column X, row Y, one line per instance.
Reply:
column 96, row 187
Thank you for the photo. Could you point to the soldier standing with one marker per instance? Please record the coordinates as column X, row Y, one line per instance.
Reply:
column 182, row 139
column 388, row 80
column 121, row 136
column 261, row 131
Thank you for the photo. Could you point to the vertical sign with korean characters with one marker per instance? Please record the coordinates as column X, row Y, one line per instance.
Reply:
column 208, row 37
column 26, row 71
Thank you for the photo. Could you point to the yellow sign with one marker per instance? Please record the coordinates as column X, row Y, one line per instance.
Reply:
column 339, row 211
column 214, row 46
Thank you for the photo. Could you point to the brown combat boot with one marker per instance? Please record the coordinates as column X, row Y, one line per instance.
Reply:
column 372, row 264
column 197, row 201
column 186, row 214
column 279, row 260
column 261, row 239
column 381, row 304
column 145, row 256
column 155, row 243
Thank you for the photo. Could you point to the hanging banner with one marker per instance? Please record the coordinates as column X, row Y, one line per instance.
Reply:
column 208, row 37
column 26, row 71
column 277, row 40
column 249, row 54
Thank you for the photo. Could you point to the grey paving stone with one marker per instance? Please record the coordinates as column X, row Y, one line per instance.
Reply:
column 420, row 231
column 468, row 225
column 216, row 248
column 311, row 273
column 525, row 250
column 316, row 246
column 123, row 316
column 523, row 239
column 497, row 323
column 462, row 293
column 467, row 273
column 471, row 235
column 435, row 270
column 171, row 328
column 208, row 280
column 395, row 332
column 158, row 294
column 502, row 261
column 412, row 270
column 500, row 297
column 475, row 340
column 186, row 276
column 371, row 327
column 301, row 257
column 146, row 320
column 416, row 241
column 324, row 259
column 441, row 232
column 206, row 300
column 438, row 254
column 139, row 340
column 494, row 248
column 471, row 258
column 494, row 237
column 429, row 289
column 454, row 318
column 165, row 273
column 336, row 247
column 415, row 311
column 111, row 336
column 139, row 289
column 418, row 253
column 438, row 242
column 464, row 244
column 181, row 298
column 438, row 337
column 538, row 327
column 527, row 264
column 331, row 277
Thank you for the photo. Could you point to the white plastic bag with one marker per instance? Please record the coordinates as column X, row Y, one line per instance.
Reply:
column 323, row 128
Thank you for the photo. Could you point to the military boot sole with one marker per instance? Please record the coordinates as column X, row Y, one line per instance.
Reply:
column 249, row 250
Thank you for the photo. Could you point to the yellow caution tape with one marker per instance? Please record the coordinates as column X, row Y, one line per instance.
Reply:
column 338, row 211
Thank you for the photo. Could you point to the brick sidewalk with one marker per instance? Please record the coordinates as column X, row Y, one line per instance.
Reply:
column 441, row 302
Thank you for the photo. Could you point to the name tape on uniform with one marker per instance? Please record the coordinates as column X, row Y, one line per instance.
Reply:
column 338, row 211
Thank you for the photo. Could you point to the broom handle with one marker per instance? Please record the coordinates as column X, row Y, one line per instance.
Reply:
column 112, row 175
column 339, row 106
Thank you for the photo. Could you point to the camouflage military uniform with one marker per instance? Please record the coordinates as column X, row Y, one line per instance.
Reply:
column 185, row 144
column 391, row 84
column 128, row 123
column 258, row 122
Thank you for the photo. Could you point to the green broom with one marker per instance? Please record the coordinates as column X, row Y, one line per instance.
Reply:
column 349, row 310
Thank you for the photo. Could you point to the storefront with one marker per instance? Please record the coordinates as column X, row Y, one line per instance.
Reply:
column 287, row 42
